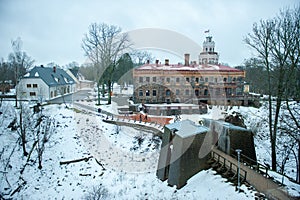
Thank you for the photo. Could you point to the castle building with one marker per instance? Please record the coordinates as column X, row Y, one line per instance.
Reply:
column 205, row 82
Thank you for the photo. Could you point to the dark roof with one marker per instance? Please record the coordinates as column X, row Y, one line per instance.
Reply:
column 74, row 72
column 51, row 76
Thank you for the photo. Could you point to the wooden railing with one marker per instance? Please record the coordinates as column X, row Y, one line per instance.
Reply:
column 227, row 166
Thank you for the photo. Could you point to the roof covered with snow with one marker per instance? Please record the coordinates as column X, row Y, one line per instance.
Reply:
column 186, row 128
column 51, row 76
column 225, row 124
column 194, row 67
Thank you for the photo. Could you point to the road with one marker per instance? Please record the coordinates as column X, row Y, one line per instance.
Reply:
column 121, row 100
column 71, row 98
column 82, row 94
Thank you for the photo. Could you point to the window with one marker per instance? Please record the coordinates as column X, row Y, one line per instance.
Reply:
column 224, row 80
column 34, row 85
column 206, row 79
column 228, row 91
column 187, row 92
column 168, row 80
column 147, row 79
column 141, row 79
column 168, row 92
column 153, row 92
column 141, row 93
column 197, row 92
column 177, row 80
column 239, row 91
column 147, row 93
column 177, row 92
column 205, row 92
column 28, row 85
column 154, row 79
column 32, row 94
column 187, row 79
column 197, row 80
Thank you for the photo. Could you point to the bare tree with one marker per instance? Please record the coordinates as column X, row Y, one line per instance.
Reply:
column 24, row 124
column 103, row 44
column 44, row 128
column 141, row 56
column 19, row 59
column 260, row 40
column 275, row 41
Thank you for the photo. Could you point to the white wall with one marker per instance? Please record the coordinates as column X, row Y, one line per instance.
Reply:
column 42, row 90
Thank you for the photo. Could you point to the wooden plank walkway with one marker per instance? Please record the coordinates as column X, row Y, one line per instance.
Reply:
column 271, row 189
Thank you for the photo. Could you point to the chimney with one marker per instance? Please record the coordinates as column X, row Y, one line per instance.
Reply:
column 54, row 69
column 186, row 59
column 156, row 62
column 167, row 62
column 148, row 62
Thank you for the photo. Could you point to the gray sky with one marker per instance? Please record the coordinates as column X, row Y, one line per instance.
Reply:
column 52, row 30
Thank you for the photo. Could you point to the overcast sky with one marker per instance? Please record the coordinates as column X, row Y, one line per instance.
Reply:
column 52, row 30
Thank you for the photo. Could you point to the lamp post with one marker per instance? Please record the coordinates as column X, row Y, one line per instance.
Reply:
column 238, row 170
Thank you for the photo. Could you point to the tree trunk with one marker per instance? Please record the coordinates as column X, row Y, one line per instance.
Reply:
column 23, row 134
column 273, row 144
column 277, row 110
column 298, row 167
column 103, row 90
column 109, row 92
column 40, row 161
column 274, row 136
column 24, row 144
column 76, row 160
column 98, row 91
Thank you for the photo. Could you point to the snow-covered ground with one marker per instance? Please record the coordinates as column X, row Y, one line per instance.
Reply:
column 127, row 171
column 256, row 119
column 122, row 160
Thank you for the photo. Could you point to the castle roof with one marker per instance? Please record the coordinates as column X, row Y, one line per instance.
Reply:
column 192, row 67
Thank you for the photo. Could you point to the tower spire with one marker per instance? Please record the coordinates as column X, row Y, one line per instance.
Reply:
column 208, row 54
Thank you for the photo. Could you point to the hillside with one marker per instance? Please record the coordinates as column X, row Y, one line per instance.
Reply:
column 80, row 135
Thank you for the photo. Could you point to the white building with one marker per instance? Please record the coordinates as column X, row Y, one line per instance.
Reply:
column 81, row 83
column 45, row 83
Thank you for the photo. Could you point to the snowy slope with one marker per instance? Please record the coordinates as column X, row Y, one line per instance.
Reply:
column 80, row 135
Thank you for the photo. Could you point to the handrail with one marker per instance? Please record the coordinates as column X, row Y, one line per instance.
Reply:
column 224, row 159
column 257, row 166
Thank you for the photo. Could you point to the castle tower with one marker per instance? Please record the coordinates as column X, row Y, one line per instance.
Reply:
column 208, row 54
